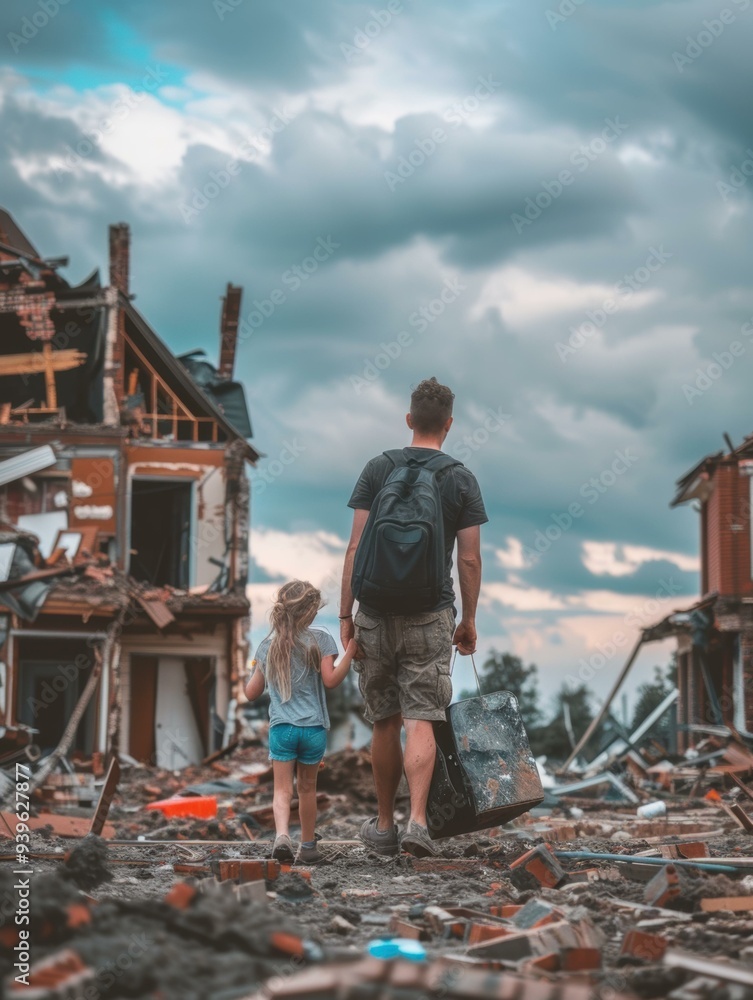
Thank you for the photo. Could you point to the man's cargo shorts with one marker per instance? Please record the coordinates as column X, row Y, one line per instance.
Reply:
column 406, row 665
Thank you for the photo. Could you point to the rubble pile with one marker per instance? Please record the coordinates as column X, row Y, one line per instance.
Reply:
column 226, row 799
column 579, row 898
column 512, row 916
column 551, row 906
column 181, row 944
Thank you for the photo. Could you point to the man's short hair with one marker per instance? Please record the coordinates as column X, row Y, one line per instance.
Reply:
column 430, row 406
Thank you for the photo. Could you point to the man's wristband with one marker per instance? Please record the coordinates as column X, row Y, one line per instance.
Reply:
column 343, row 617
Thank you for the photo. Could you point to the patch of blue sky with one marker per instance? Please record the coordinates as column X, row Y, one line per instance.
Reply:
column 124, row 59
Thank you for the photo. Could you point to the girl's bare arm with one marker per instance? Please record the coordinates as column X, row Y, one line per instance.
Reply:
column 334, row 673
column 255, row 685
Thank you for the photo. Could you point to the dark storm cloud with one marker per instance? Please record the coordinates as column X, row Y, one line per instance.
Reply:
column 406, row 217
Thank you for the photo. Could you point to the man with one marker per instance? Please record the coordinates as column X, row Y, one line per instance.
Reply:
column 404, row 670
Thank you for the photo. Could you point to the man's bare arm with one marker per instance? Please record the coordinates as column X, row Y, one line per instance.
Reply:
column 346, row 595
column 469, row 573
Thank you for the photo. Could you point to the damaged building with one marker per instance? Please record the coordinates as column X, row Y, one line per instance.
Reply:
column 124, row 519
column 715, row 635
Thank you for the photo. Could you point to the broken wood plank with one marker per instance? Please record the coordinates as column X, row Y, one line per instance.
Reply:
column 222, row 752
column 37, row 362
column 62, row 826
column 105, row 797
column 626, row 904
column 742, row 786
column 737, row 813
column 730, row 972
column 735, row 904
column 157, row 610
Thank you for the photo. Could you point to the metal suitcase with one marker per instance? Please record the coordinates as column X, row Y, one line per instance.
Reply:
column 484, row 774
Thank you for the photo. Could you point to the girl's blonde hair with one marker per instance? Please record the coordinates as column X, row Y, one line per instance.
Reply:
column 294, row 609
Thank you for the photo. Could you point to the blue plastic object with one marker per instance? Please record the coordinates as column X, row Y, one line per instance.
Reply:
column 388, row 948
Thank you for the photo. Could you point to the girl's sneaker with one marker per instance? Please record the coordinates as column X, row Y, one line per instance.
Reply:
column 309, row 855
column 283, row 849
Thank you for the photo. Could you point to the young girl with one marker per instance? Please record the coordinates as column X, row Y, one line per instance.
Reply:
column 297, row 662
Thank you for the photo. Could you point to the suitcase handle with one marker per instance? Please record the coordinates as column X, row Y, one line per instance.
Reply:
column 473, row 664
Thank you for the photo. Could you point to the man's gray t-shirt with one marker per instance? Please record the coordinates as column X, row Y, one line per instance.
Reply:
column 307, row 705
column 462, row 505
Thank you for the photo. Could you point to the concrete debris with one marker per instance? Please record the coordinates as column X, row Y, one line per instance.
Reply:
column 550, row 906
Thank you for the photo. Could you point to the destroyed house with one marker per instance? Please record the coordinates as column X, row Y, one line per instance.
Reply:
column 715, row 636
column 124, row 519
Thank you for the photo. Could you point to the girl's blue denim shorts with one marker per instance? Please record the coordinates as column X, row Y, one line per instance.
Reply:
column 306, row 744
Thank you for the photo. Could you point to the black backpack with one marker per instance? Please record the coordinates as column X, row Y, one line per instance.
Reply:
column 399, row 566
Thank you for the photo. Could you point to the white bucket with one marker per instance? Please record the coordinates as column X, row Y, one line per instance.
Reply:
column 652, row 810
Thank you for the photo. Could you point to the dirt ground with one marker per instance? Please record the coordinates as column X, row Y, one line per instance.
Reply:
column 222, row 948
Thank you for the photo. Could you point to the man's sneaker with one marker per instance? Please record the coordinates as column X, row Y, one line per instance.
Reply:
column 416, row 841
column 283, row 849
column 382, row 842
column 309, row 855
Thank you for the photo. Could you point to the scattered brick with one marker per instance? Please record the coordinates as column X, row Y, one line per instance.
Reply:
column 187, row 868
column 663, row 887
column 62, row 974
column 478, row 932
column 689, row 851
column 404, row 929
column 536, row 913
column 181, row 895
column 642, row 946
column 287, row 944
column 245, row 869
column 78, row 915
column 542, row 865
column 580, row 959
column 543, row 963
column 438, row 919
column 505, row 911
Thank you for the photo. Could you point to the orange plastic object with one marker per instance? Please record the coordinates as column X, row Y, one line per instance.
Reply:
column 197, row 806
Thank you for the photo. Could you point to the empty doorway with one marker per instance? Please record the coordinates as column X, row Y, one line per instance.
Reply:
column 161, row 532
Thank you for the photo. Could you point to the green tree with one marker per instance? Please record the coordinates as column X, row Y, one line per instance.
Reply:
column 553, row 739
column 505, row 672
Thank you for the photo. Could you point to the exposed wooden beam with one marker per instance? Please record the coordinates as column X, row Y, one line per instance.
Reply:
column 37, row 362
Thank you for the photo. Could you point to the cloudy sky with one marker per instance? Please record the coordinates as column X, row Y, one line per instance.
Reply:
column 547, row 206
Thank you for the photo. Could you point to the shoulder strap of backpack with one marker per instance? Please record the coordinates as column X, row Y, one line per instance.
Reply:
column 437, row 463
column 397, row 457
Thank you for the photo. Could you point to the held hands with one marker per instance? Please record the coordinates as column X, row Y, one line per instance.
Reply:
column 465, row 638
column 353, row 650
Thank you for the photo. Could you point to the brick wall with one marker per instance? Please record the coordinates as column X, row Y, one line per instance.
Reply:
column 726, row 553
column 32, row 304
column 120, row 256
